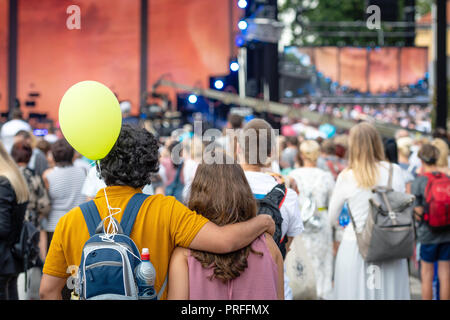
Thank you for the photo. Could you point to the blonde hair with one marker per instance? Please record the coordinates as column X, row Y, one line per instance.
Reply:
column 365, row 152
column 442, row 161
column 310, row 150
column 404, row 146
column 9, row 170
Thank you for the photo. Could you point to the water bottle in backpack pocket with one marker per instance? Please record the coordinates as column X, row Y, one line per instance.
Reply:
column 145, row 277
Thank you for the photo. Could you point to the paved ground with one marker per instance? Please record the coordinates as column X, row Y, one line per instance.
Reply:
column 415, row 288
column 34, row 278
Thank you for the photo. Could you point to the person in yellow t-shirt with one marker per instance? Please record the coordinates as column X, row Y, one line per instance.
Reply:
column 162, row 223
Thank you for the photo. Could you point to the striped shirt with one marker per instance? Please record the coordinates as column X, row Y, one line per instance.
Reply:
column 65, row 185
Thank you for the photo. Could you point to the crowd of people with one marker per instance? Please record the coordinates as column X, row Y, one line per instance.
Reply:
column 201, row 221
column 412, row 117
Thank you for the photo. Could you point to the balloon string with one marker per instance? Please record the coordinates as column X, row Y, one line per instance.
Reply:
column 112, row 227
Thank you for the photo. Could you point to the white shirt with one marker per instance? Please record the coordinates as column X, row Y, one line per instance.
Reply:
column 189, row 170
column 82, row 164
column 357, row 198
column 93, row 184
column 261, row 184
column 51, row 138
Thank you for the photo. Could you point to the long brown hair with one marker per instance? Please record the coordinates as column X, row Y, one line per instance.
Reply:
column 220, row 192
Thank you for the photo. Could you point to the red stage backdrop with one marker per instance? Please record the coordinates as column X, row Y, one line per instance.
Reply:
column 383, row 70
column 326, row 61
column 377, row 70
column 414, row 64
column 51, row 58
column 353, row 68
column 3, row 55
column 190, row 40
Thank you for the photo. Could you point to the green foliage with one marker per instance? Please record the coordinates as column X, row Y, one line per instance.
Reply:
column 339, row 11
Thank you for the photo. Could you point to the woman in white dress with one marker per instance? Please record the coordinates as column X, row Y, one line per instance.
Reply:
column 356, row 279
column 315, row 187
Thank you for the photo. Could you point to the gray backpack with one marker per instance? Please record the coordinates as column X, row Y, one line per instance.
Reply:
column 389, row 229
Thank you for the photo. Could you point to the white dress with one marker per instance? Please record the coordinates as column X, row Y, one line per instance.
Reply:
column 318, row 243
column 354, row 278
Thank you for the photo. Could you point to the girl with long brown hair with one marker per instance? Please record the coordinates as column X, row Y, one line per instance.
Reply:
column 254, row 272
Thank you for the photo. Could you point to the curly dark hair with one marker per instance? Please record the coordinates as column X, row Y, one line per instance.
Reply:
column 133, row 159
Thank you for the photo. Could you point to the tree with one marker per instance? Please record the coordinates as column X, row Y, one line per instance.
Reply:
column 307, row 22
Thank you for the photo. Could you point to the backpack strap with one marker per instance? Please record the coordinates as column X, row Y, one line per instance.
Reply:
column 131, row 212
column 277, row 195
column 91, row 216
column 163, row 287
column 391, row 170
column 332, row 168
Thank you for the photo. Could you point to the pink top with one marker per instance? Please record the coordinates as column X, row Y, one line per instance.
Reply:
column 257, row 282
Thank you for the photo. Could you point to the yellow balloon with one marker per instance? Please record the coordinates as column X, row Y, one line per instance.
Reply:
column 90, row 118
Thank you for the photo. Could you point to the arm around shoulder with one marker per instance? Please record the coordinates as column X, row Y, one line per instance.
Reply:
column 232, row 237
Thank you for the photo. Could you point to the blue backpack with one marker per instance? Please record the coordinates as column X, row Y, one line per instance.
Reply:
column 107, row 268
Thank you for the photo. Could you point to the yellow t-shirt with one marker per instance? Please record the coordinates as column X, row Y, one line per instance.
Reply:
column 162, row 224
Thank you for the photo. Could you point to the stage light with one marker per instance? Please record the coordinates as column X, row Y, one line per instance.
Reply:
column 218, row 84
column 240, row 41
column 192, row 98
column 242, row 4
column 234, row 66
column 242, row 25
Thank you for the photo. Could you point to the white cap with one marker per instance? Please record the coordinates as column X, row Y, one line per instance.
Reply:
column 145, row 251
column 125, row 106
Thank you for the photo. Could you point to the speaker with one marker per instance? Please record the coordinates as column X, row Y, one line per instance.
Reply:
column 388, row 9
